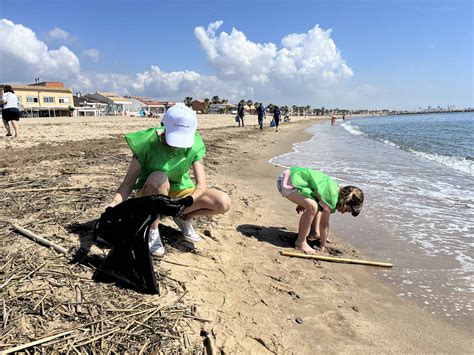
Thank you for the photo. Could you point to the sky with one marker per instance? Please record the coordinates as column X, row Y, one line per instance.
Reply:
column 351, row 54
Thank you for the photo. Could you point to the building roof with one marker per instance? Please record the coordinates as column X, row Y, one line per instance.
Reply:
column 114, row 97
column 147, row 101
column 37, row 88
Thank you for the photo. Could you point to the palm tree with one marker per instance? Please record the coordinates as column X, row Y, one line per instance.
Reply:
column 295, row 109
column 249, row 103
column 187, row 101
column 206, row 105
column 215, row 99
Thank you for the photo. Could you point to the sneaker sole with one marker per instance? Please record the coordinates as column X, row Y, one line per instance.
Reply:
column 158, row 252
column 192, row 240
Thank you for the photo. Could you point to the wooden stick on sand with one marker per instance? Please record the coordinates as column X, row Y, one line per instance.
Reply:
column 336, row 260
column 36, row 342
column 39, row 239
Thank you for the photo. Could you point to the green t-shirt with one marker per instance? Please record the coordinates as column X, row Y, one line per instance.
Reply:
column 315, row 185
column 156, row 156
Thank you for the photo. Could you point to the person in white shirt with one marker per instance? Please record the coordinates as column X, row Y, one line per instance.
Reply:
column 10, row 112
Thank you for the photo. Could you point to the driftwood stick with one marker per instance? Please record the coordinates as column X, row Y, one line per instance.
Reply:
column 335, row 260
column 50, row 189
column 5, row 314
column 32, row 272
column 78, row 299
column 39, row 239
column 36, row 342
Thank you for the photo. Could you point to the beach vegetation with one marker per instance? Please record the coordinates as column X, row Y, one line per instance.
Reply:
column 188, row 100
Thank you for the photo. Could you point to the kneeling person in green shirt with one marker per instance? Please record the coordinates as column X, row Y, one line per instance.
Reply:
column 161, row 161
column 317, row 196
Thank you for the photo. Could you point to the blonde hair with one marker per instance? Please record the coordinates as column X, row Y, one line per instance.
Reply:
column 352, row 197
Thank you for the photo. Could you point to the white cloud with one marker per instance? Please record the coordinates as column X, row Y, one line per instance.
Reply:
column 304, row 64
column 303, row 69
column 93, row 54
column 59, row 34
column 25, row 57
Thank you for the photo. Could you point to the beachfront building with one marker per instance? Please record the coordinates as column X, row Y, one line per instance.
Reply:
column 143, row 106
column 83, row 108
column 45, row 99
column 198, row 106
column 221, row 108
column 115, row 104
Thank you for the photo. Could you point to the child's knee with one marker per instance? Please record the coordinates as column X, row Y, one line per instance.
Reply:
column 157, row 181
column 224, row 203
column 312, row 208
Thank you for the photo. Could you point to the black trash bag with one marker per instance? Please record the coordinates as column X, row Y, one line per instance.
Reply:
column 125, row 227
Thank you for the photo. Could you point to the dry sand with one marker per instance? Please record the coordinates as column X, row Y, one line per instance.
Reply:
column 235, row 276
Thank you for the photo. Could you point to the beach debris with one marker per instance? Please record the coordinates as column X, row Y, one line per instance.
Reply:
column 52, row 306
column 39, row 298
column 336, row 260
column 299, row 320
column 208, row 233
column 355, row 308
column 40, row 239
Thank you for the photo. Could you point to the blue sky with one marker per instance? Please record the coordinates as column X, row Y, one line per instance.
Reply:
column 352, row 54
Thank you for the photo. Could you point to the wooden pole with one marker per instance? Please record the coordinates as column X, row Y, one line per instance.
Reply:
column 49, row 189
column 335, row 260
column 33, row 343
column 40, row 240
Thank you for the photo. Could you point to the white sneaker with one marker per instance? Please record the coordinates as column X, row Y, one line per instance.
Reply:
column 187, row 229
column 154, row 243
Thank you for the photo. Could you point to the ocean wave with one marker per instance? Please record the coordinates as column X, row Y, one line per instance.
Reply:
column 454, row 162
column 457, row 163
column 352, row 129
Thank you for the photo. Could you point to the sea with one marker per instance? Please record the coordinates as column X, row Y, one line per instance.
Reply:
column 417, row 174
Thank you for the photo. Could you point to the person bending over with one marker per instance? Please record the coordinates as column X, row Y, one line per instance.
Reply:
column 160, row 164
column 317, row 195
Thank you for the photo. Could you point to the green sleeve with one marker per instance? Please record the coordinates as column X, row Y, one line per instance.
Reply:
column 200, row 149
column 139, row 143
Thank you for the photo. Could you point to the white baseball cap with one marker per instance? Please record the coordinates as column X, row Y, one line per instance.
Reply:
column 180, row 125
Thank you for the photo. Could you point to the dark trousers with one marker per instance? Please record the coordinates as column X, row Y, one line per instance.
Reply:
column 241, row 120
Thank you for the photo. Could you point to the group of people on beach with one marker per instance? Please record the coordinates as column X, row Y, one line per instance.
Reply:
column 261, row 112
column 163, row 156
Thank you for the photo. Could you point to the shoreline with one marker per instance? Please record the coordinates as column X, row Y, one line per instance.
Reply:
column 250, row 294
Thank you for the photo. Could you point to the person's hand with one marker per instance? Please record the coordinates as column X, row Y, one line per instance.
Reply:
column 300, row 209
column 111, row 205
column 185, row 201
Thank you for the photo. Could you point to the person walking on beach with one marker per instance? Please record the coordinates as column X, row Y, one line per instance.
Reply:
column 276, row 116
column 317, row 196
column 261, row 111
column 241, row 113
column 160, row 164
column 333, row 120
column 10, row 112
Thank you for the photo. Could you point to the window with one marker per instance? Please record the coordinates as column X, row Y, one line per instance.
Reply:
column 64, row 100
column 49, row 99
column 31, row 99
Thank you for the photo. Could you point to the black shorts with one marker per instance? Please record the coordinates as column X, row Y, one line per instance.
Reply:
column 11, row 114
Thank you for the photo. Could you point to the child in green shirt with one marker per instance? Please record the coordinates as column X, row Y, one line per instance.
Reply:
column 317, row 196
column 161, row 161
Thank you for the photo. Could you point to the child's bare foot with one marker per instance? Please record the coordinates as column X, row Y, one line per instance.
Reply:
column 314, row 236
column 305, row 248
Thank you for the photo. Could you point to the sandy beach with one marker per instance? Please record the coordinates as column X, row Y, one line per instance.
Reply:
column 243, row 296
